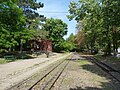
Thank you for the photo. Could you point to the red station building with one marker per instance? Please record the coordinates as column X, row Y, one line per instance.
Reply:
column 43, row 45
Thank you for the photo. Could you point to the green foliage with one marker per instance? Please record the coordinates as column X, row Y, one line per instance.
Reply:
column 68, row 46
column 111, row 22
column 18, row 22
column 33, row 19
column 56, row 30
column 70, row 43
column 100, row 22
column 29, row 8
column 71, row 38
column 12, row 22
column 40, row 34
column 2, row 61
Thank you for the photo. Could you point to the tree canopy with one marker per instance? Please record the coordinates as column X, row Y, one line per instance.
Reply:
column 56, row 30
column 15, row 23
column 12, row 22
column 100, row 23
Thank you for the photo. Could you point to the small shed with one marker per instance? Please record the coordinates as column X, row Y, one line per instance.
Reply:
column 45, row 45
column 41, row 45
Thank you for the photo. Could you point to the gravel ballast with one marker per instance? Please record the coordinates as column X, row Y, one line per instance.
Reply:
column 15, row 72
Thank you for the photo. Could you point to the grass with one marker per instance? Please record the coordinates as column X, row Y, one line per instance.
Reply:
column 83, row 62
column 18, row 57
column 2, row 61
column 112, row 58
column 23, row 56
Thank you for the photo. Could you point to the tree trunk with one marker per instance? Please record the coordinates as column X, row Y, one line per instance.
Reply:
column 114, row 40
column 109, row 49
column 21, row 46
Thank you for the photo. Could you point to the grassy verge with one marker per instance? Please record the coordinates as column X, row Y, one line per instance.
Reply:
column 17, row 56
column 111, row 58
column 83, row 62
column 2, row 61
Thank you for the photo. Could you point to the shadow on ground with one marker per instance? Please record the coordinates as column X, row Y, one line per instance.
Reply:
column 87, row 88
column 111, row 84
column 110, row 60
column 17, row 55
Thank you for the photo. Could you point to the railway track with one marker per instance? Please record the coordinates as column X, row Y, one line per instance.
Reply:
column 48, row 81
column 108, row 69
column 44, row 81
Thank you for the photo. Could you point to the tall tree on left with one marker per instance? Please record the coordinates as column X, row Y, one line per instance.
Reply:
column 29, row 8
column 12, row 25
column 33, row 18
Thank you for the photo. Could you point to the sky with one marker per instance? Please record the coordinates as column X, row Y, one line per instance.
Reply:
column 58, row 6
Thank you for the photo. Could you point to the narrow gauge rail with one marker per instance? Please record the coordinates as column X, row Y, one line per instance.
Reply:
column 48, row 82
column 60, row 67
column 108, row 69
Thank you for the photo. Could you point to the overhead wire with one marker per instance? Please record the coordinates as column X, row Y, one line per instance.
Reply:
column 51, row 12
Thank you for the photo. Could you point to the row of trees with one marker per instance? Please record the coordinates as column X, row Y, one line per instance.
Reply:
column 57, row 29
column 17, row 21
column 20, row 23
column 98, row 24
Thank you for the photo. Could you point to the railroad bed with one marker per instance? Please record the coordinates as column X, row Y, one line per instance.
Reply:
column 44, row 79
column 107, row 68
column 73, row 73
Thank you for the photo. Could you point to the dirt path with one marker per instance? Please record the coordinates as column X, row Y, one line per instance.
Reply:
column 84, row 75
column 79, row 74
column 14, row 72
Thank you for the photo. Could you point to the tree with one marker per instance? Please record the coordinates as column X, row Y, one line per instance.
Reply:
column 29, row 8
column 87, row 13
column 56, row 30
column 12, row 22
column 111, row 14
column 18, row 24
column 40, row 35
column 100, row 22
column 33, row 18
column 71, row 45
column 71, row 38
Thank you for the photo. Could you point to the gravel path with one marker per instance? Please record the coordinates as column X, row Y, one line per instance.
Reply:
column 14, row 72
column 80, row 74
column 84, row 75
